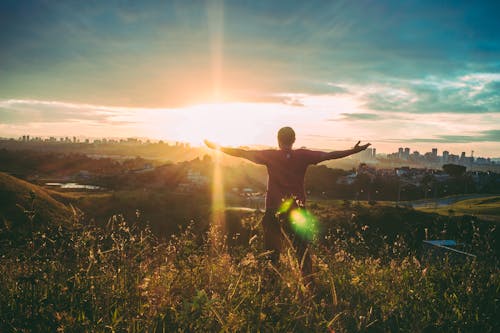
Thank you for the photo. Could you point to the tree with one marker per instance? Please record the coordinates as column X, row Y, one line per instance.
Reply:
column 454, row 170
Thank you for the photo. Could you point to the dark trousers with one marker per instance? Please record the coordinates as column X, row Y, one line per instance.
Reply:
column 274, row 230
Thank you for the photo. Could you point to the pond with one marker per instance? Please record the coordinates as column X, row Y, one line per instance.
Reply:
column 74, row 186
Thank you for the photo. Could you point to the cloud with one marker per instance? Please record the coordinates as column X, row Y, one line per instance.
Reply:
column 379, row 116
column 336, row 88
column 486, row 136
column 37, row 111
column 467, row 94
column 150, row 54
column 293, row 102
column 360, row 116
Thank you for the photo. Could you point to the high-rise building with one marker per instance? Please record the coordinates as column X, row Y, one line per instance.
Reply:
column 434, row 152
column 400, row 152
column 446, row 155
column 366, row 155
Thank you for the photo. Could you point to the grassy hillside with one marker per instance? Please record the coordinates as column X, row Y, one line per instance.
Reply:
column 371, row 273
column 370, row 277
column 20, row 201
column 485, row 207
column 165, row 212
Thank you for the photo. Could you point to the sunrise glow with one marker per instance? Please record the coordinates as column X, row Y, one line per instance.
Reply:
column 236, row 72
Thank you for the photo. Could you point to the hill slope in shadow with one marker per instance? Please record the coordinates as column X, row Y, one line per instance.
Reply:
column 18, row 198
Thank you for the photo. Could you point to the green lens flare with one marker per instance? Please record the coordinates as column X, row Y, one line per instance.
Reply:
column 303, row 223
column 300, row 220
column 285, row 206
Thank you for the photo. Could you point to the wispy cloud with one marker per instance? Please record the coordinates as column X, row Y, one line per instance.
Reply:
column 157, row 54
column 253, row 123
column 472, row 93
column 418, row 69
column 360, row 116
column 486, row 136
column 14, row 111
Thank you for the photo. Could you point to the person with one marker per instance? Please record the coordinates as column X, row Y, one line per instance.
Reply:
column 286, row 168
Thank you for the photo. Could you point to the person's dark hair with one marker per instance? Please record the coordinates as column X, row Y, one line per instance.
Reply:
column 286, row 136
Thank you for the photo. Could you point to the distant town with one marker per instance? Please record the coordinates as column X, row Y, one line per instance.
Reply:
column 428, row 159
column 74, row 139
column 403, row 157
column 109, row 164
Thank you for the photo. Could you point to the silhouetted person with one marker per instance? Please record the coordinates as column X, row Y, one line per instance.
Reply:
column 286, row 170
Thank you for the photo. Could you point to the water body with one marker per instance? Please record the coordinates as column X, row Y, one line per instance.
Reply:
column 74, row 186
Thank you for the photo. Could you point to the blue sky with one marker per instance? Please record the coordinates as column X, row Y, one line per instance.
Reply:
column 415, row 73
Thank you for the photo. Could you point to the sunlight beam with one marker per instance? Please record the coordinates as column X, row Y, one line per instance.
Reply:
column 218, row 218
column 215, row 13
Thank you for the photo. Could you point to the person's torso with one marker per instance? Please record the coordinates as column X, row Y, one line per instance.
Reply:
column 286, row 170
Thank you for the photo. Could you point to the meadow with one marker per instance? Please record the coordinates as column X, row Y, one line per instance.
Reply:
column 371, row 275
column 487, row 207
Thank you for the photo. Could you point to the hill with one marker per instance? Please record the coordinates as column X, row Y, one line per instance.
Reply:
column 487, row 208
column 368, row 278
column 20, row 200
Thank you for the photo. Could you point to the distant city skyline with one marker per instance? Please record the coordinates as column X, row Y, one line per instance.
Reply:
column 418, row 73
column 400, row 152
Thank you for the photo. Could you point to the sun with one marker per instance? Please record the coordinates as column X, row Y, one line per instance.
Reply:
column 232, row 124
column 226, row 123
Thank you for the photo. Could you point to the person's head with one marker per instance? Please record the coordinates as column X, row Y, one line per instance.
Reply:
column 286, row 137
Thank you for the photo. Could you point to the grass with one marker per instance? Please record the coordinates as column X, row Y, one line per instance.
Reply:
column 369, row 277
column 486, row 207
column 16, row 200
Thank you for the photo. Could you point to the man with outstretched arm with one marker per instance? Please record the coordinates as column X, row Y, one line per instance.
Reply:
column 286, row 168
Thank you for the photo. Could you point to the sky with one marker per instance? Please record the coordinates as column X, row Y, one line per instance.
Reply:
column 418, row 74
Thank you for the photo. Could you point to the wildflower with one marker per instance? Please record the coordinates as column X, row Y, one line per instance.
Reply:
column 355, row 280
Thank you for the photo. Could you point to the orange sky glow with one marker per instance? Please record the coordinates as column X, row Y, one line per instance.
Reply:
column 235, row 72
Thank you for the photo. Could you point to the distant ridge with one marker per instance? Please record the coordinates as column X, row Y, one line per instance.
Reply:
column 16, row 194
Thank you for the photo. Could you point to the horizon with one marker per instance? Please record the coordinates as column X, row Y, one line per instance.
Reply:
column 148, row 140
column 420, row 75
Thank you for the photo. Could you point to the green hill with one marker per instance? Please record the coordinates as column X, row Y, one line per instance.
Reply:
column 18, row 198
column 484, row 207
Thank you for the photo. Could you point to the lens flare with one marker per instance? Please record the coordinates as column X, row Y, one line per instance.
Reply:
column 285, row 206
column 301, row 221
column 304, row 223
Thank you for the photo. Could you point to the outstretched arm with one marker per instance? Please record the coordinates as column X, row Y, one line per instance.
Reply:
column 237, row 152
column 343, row 153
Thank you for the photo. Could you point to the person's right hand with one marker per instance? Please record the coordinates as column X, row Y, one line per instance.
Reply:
column 211, row 144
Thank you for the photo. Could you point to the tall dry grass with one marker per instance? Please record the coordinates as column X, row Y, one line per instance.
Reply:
column 121, row 278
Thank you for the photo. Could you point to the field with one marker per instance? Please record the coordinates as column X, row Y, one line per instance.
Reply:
column 64, row 271
column 122, row 278
column 484, row 207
